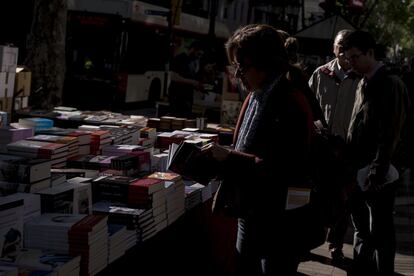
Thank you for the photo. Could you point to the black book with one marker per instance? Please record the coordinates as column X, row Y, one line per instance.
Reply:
column 194, row 162
column 23, row 170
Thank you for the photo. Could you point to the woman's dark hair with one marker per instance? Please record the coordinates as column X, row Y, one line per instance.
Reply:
column 261, row 44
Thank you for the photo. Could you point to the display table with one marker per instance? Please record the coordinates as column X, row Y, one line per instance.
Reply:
column 198, row 243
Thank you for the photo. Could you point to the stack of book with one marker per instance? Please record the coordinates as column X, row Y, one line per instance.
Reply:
column 84, row 137
column 42, row 262
column 122, row 135
column 50, row 231
column 90, row 162
column 113, row 189
column 165, row 122
column 136, row 220
column 74, row 172
column 205, row 191
column 98, row 118
column 89, row 238
column 154, row 123
column 82, row 195
column 57, row 179
column 27, row 175
column 71, row 141
column 117, row 150
column 148, row 132
column 177, row 123
column 99, row 140
column 144, row 161
column 58, row 199
column 150, row 193
column 73, row 196
column 174, row 194
column 190, row 123
column 117, row 241
column 136, row 120
column 31, row 204
column 11, row 134
column 165, row 139
column 57, row 153
column 201, row 122
column 192, row 195
column 11, row 225
column 126, row 165
column 36, row 123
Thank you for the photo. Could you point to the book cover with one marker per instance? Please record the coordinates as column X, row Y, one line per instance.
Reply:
column 54, row 138
column 166, row 176
column 146, row 185
column 45, row 148
column 57, row 199
column 25, row 170
column 194, row 162
column 82, row 198
column 90, row 223
column 74, row 172
column 84, row 137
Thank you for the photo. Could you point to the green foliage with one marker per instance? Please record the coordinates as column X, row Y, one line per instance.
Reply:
column 392, row 23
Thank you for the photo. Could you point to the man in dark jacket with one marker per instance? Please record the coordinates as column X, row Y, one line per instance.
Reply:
column 377, row 119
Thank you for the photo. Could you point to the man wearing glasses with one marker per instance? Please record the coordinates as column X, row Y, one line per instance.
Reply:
column 378, row 116
column 334, row 85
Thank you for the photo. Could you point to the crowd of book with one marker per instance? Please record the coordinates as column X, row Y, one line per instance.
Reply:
column 73, row 200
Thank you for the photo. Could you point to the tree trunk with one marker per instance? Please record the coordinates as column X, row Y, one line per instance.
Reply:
column 46, row 52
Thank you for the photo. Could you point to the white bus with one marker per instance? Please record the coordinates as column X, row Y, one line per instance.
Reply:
column 117, row 52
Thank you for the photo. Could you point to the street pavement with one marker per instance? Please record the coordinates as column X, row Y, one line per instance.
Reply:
column 319, row 262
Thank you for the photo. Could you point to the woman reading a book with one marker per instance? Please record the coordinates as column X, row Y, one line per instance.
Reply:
column 271, row 149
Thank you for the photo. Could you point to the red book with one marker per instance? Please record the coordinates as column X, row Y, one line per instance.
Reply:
column 88, row 224
column 146, row 185
column 166, row 176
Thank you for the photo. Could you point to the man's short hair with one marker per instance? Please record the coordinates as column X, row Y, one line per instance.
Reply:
column 359, row 39
column 342, row 34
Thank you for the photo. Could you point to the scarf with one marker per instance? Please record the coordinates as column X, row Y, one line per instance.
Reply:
column 253, row 115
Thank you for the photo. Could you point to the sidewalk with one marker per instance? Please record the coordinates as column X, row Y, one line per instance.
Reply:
column 320, row 263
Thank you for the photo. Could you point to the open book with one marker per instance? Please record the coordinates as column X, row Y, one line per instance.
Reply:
column 193, row 161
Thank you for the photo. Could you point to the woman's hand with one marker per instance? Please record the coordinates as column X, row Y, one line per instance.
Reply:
column 219, row 153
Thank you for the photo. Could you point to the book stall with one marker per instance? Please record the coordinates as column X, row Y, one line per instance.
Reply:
column 87, row 193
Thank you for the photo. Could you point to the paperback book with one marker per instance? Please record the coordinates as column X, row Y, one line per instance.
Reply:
column 193, row 161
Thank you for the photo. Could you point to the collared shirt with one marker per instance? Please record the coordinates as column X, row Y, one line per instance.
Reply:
column 335, row 90
column 340, row 73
